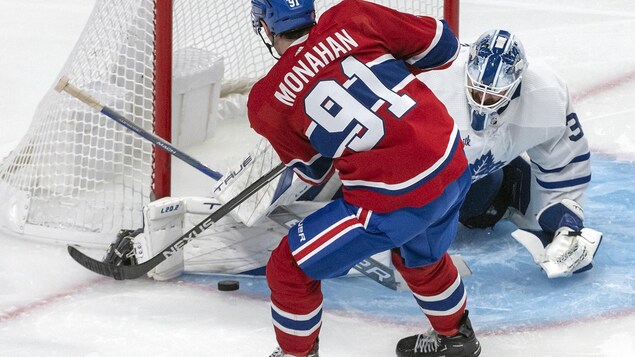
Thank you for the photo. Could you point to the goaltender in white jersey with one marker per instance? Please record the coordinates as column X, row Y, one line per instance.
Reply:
column 528, row 154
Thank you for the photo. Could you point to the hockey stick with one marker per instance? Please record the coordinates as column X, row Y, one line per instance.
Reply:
column 122, row 272
column 64, row 85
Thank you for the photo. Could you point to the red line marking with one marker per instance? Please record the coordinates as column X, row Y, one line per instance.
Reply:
column 603, row 87
column 589, row 319
column 17, row 312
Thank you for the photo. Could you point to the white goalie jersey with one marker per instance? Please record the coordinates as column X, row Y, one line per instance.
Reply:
column 540, row 124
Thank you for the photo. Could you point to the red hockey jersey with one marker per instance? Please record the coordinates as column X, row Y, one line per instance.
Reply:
column 345, row 98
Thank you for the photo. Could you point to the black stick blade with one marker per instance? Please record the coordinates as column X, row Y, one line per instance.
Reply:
column 118, row 272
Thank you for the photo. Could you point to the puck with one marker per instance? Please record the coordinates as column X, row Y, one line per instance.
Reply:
column 228, row 285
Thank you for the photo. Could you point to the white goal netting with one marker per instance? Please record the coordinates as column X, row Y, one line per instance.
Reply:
column 79, row 177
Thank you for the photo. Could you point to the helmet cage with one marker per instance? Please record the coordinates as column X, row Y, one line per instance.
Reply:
column 258, row 12
column 488, row 99
column 494, row 70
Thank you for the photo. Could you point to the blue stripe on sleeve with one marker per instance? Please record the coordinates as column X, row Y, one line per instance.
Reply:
column 580, row 158
column 566, row 183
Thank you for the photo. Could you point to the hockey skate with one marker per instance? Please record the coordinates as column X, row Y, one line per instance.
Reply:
column 431, row 344
column 278, row 352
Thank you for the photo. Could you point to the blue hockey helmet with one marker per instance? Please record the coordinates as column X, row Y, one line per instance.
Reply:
column 493, row 72
column 282, row 15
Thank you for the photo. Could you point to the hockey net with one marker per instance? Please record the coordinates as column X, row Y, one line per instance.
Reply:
column 79, row 177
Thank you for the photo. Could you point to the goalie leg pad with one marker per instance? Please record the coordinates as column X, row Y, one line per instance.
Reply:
column 163, row 225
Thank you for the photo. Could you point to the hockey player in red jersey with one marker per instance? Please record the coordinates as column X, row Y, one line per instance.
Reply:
column 343, row 99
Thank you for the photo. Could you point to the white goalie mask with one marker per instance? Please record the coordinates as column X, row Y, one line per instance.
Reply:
column 493, row 72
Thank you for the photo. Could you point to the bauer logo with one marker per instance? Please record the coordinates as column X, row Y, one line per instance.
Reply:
column 368, row 268
column 301, row 231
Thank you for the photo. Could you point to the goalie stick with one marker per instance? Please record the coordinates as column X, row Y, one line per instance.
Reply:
column 64, row 85
column 124, row 272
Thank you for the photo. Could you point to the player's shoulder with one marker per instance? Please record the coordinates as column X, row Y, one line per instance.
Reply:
column 263, row 90
column 541, row 76
column 543, row 88
column 347, row 5
column 257, row 103
column 256, row 95
column 265, row 104
column 454, row 74
column 348, row 11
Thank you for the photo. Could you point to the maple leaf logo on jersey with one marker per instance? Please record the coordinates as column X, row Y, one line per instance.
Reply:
column 485, row 165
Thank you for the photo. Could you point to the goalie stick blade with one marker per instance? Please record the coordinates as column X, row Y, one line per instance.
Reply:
column 378, row 272
column 113, row 271
column 461, row 265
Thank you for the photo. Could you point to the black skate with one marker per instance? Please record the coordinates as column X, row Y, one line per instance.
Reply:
column 314, row 352
column 431, row 344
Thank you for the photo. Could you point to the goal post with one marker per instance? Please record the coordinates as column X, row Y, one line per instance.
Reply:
column 168, row 66
column 163, row 89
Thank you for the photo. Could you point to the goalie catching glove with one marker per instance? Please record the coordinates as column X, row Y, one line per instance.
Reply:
column 572, row 248
column 163, row 225
column 121, row 252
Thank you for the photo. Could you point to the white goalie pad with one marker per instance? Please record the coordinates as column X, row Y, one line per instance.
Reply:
column 163, row 224
column 260, row 161
column 227, row 247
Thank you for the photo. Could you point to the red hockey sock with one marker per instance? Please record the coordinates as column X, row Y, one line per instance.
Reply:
column 438, row 290
column 296, row 302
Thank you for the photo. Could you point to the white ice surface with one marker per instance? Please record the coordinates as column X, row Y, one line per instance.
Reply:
column 50, row 306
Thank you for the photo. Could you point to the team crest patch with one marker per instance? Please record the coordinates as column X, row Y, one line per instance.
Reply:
column 485, row 165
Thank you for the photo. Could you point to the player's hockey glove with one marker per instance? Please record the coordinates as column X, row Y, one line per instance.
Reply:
column 121, row 252
column 572, row 247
